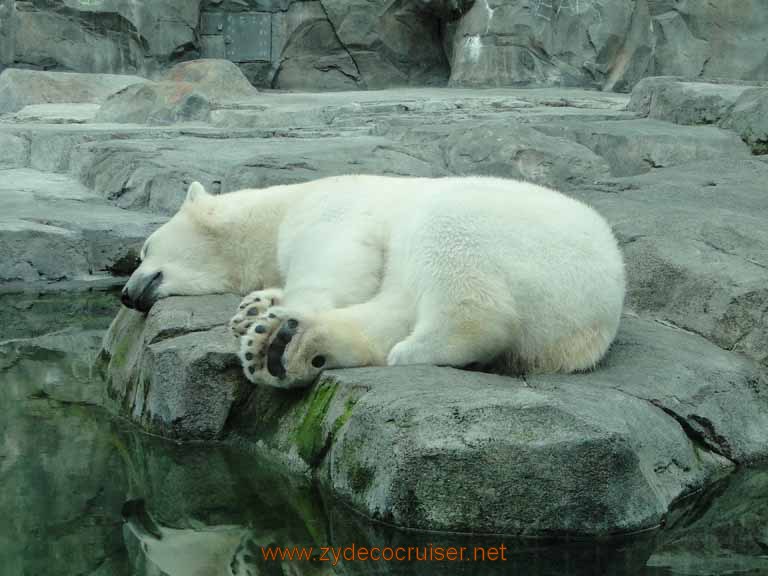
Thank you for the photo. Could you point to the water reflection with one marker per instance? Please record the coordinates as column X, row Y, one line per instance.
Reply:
column 84, row 494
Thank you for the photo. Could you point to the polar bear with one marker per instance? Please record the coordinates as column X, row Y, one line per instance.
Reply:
column 371, row 270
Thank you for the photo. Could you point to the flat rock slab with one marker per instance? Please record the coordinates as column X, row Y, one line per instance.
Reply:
column 439, row 448
column 19, row 88
column 696, row 247
column 57, row 113
column 53, row 228
column 739, row 106
column 685, row 101
column 636, row 146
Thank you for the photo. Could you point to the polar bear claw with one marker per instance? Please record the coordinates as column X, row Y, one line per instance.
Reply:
column 253, row 305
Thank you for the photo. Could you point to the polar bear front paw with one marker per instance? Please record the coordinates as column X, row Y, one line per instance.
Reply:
column 282, row 349
column 251, row 307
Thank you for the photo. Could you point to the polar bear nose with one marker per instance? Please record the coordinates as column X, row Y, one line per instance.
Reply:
column 141, row 291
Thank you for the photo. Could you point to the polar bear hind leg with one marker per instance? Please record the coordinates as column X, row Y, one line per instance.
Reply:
column 455, row 334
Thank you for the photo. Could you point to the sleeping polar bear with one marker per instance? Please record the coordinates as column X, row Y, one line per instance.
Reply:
column 372, row 270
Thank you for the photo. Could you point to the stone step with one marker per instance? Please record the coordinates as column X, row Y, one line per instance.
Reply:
column 53, row 228
column 635, row 146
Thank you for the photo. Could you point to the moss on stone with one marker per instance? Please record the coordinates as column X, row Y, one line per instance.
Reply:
column 309, row 437
column 345, row 416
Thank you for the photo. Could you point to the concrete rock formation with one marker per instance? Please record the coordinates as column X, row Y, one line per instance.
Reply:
column 20, row 88
column 341, row 45
column 676, row 169
column 184, row 93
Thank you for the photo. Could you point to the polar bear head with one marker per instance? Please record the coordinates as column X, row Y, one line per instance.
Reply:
column 185, row 256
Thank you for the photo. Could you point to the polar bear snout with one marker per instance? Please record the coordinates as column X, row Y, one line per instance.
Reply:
column 141, row 291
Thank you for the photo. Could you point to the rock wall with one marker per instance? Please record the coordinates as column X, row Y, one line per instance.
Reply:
column 357, row 44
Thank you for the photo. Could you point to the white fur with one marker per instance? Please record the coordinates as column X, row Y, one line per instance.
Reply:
column 411, row 270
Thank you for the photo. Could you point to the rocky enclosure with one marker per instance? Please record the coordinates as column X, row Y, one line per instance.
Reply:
column 88, row 171
column 356, row 44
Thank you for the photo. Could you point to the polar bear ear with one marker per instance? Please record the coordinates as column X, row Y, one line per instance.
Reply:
column 195, row 192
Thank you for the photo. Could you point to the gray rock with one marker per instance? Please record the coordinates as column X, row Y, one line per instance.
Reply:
column 637, row 146
column 311, row 53
column 15, row 151
column 57, row 113
column 749, row 118
column 505, row 42
column 8, row 27
column 335, row 45
column 393, row 43
column 184, row 93
column 163, row 102
column 19, row 88
column 696, row 247
column 151, row 174
column 219, row 80
column 107, row 37
column 177, row 374
column 684, row 101
column 52, row 228
column 505, row 148
column 710, row 39
column 657, row 421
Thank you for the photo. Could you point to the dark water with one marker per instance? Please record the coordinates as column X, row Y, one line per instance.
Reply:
column 84, row 494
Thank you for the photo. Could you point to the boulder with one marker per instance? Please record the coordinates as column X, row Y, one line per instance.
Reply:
column 219, row 80
column 749, row 118
column 184, row 343
column 164, row 102
column 663, row 416
column 685, row 101
column 185, row 93
column 19, row 88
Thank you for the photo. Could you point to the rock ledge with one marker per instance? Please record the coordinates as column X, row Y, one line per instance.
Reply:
column 438, row 448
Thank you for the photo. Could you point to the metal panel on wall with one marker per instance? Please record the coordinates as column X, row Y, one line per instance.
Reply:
column 237, row 36
column 248, row 36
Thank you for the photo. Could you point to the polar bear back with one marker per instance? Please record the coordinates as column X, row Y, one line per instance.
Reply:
column 543, row 267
